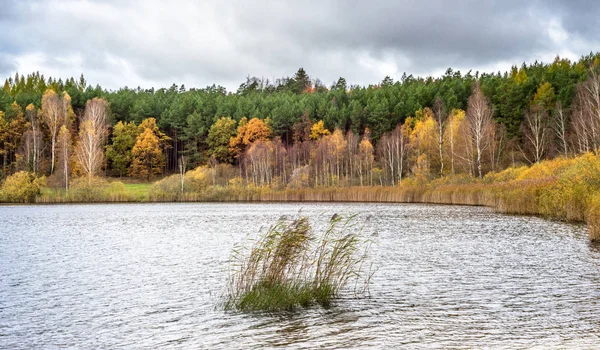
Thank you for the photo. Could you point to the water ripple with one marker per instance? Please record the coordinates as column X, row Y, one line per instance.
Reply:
column 151, row 276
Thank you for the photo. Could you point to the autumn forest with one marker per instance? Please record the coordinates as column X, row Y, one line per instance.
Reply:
column 296, row 132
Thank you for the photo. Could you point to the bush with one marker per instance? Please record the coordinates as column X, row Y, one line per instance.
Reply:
column 200, row 178
column 21, row 187
column 505, row 175
column 96, row 189
column 593, row 217
column 86, row 189
column 165, row 190
column 290, row 267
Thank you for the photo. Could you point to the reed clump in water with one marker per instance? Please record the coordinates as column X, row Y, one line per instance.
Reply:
column 290, row 266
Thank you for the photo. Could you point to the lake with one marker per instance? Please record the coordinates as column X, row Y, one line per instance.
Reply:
column 152, row 276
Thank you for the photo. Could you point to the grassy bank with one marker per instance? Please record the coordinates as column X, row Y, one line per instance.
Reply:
column 96, row 190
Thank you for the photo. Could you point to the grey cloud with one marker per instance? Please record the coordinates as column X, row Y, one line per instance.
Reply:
column 579, row 17
column 7, row 63
column 469, row 32
column 201, row 44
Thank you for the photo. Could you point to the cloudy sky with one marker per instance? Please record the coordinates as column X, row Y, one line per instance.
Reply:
column 156, row 43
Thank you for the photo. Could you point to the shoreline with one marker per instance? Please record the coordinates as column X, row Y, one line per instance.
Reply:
column 525, row 197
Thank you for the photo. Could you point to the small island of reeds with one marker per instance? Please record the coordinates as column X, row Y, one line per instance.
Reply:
column 291, row 266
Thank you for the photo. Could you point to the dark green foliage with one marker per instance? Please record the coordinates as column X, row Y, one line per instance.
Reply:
column 119, row 151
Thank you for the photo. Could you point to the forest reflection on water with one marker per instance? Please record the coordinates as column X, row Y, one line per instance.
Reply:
column 152, row 275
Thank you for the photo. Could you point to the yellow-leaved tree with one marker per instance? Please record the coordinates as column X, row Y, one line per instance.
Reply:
column 3, row 140
column 147, row 153
column 318, row 130
column 424, row 141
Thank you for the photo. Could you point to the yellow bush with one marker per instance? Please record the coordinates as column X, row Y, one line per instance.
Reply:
column 546, row 169
column 200, row 178
column 593, row 217
column 21, row 187
column 236, row 182
column 96, row 189
column 166, row 190
column 87, row 189
column 505, row 175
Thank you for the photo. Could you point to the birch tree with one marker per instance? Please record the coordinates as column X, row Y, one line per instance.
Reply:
column 93, row 130
column 479, row 116
column 52, row 116
column 33, row 139
column 64, row 147
column 182, row 168
column 559, row 125
column 56, row 112
column 365, row 149
column 393, row 148
column 440, row 117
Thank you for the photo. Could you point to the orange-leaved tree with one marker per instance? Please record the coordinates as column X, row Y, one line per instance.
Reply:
column 249, row 132
column 147, row 154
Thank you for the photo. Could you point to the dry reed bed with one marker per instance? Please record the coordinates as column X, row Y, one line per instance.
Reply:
column 528, row 197
column 563, row 189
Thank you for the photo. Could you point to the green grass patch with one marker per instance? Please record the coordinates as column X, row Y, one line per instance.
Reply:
column 138, row 191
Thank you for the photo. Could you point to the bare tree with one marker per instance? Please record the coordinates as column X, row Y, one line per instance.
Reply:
column 479, row 116
column 352, row 145
column 581, row 129
column 53, row 117
column 92, row 136
column 96, row 112
column 440, row 116
column 64, row 155
column 592, row 104
column 89, row 149
column 182, row 167
column 586, row 113
column 30, row 150
column 535, row 128
column 559, row 126
column 393, row 147
column 496, row 143
column 34, row 140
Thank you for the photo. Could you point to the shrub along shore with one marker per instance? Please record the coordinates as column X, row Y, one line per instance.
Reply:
column 563, row 189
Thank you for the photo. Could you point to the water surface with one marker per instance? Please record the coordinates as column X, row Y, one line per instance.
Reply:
column 151, row 276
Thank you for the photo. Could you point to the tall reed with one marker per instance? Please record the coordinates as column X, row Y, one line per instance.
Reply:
column 291, row 266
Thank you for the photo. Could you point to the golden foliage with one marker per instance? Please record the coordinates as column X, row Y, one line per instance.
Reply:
column 318, row 130
column 247, row 133
column 147, row 157
column 21, row 187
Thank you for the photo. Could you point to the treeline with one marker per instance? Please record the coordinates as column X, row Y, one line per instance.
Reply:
column 297, row 132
